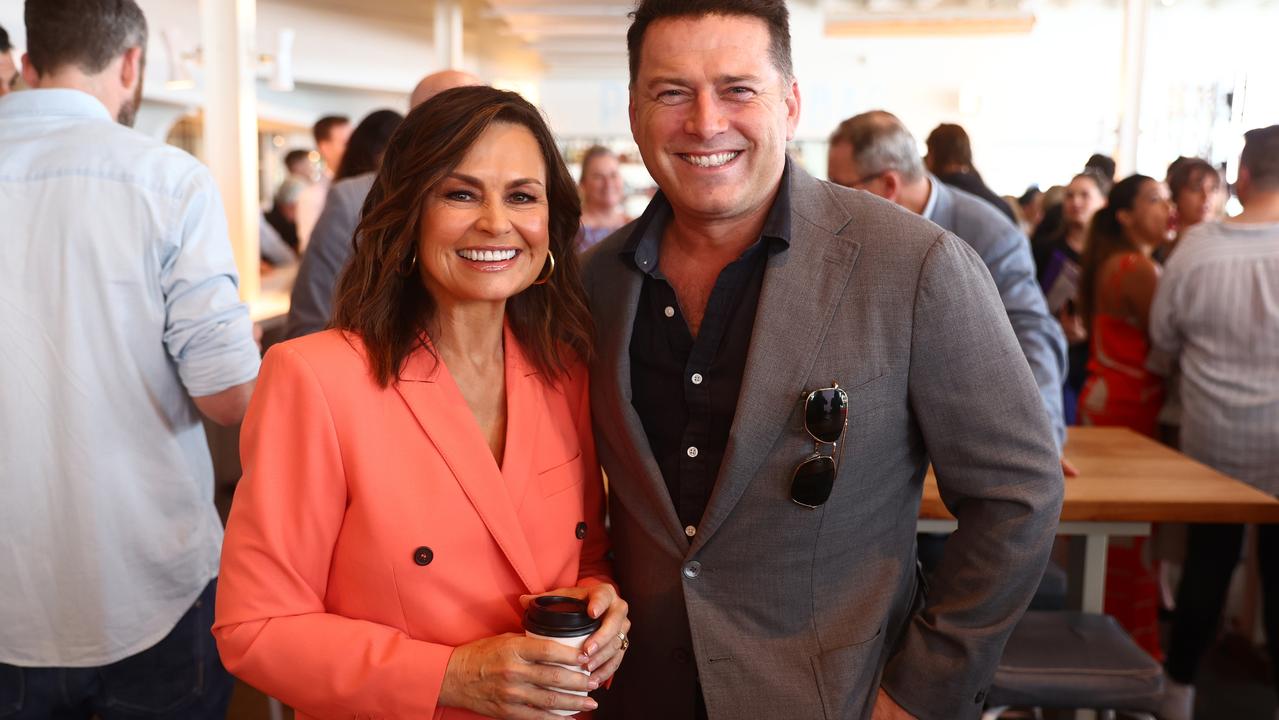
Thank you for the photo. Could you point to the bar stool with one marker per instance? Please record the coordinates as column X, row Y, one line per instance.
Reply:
column 1074, row 661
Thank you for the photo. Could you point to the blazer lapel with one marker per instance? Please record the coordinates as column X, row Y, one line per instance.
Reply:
column 618, row 301
column 435, row 400
column 802, row 289
column 525, row 408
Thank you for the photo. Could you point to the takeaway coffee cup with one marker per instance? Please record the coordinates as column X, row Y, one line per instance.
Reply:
column 563, row 620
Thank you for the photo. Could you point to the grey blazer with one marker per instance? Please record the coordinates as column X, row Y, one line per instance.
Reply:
column 311, row 306
column 788, row 612
column 1006, row 253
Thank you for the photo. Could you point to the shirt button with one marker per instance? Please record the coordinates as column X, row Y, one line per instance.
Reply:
column 423, row 555
column 697, row 378
column 692, row 569
column 690, row 531
column 580, row 532
column 692, row 452
column 669, row 311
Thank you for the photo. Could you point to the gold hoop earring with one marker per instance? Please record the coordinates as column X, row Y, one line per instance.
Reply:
column 405, row 272
column 550, row 257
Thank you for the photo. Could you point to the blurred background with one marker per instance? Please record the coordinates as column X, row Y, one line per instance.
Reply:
column 1039, row 84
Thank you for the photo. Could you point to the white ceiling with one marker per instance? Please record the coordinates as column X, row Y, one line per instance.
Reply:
column 584, row 35
column 568, row 34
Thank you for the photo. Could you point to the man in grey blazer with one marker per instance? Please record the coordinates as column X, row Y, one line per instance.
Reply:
column 874, row 152
column 311, row 305
column 770, row 575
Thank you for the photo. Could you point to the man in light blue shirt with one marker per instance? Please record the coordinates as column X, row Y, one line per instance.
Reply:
column 874, row 152
column 121, row 325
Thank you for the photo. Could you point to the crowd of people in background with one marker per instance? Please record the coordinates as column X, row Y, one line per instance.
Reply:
column 1134, row 301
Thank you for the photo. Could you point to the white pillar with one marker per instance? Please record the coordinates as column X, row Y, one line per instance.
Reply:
column 231, row 126
column 448, row 33
column 1133, row 70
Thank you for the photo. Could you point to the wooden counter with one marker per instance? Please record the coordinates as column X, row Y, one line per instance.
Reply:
column 1126, row 477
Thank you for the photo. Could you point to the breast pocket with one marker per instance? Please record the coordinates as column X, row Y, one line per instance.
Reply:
column 561, row 477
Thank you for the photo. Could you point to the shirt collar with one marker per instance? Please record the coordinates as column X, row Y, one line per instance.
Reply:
column 53, row 102
column 930, row 207
column 645, row 240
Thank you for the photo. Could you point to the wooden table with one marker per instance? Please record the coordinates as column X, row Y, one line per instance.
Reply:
column 1126, row 482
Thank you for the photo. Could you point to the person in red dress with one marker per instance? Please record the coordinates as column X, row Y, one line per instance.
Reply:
column 1116, row 289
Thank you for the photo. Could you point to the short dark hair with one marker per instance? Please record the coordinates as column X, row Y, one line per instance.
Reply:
column 5, row 45
column 1261, row 157
column 1187, row 171
column 772, row 12
column 86, row 33
column 949, row 146
column 323, row 127
column 368, row 142
column 296, row 156
column 1103, row 164
column 1029, row 196
column 380, row 295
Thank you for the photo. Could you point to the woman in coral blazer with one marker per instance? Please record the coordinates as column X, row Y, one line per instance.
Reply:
column 414, row 475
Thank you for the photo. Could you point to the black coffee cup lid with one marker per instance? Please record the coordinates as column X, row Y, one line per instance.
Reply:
column 559, row 616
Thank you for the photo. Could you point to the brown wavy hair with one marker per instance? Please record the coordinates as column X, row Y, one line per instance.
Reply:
column 1107, row 238
column 380, row 296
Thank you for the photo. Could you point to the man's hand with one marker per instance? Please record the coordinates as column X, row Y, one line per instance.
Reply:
column 887, row 709
column 1068, row 468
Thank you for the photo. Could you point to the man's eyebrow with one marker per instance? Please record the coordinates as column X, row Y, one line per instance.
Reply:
column 719, row 80
column 669, row 80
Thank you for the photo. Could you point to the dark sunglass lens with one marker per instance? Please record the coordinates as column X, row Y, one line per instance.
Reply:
column 825, row 413
column 813, row 481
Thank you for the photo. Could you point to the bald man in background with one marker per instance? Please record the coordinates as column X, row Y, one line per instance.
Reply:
column 331, row 241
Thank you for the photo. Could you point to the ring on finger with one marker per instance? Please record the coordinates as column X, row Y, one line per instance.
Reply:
column 626, row 642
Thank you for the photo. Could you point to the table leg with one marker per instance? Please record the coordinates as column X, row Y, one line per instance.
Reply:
column 1094, row 594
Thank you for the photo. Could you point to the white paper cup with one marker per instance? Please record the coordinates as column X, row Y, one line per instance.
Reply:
column 576, row 644
column 565, row 621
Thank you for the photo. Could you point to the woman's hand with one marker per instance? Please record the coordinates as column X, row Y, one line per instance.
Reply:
column 604, row 648
column 506, row 677
column 1072, row 324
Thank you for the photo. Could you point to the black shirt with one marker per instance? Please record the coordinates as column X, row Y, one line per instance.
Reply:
column 685, row 389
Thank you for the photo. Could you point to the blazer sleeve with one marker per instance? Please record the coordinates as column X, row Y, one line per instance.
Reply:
column 594, row 567
column 272, row 628
column 990, row 442
column 311, row 305
column 1038, row 332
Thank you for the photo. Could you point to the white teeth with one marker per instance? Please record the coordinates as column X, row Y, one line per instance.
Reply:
column 487, row 255
column 713, row 160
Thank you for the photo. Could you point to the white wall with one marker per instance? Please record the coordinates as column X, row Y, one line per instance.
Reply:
column 1197, row 57
column 1035, row 105
column 340, row 66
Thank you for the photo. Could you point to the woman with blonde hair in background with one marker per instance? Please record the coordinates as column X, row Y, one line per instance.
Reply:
column 1058, row 268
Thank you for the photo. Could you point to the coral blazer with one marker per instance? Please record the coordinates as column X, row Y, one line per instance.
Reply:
column 373, row 532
